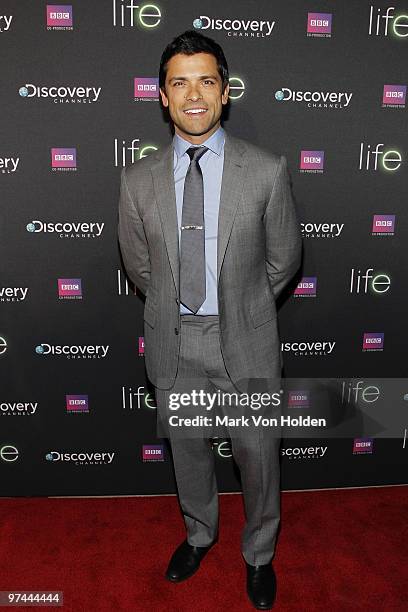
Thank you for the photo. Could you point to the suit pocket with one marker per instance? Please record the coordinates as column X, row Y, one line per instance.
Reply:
column 150, row 313
column 263, row 312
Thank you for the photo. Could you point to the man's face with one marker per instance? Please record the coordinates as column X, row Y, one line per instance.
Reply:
column 194, row 95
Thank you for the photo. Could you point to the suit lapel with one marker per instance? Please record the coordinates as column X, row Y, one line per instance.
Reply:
column 233, row 176
column 163, row 181
column 232, row 186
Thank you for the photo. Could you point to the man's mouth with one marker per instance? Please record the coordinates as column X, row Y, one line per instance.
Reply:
column 195, row 111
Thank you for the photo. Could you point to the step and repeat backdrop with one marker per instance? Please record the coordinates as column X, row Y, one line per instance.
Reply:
column 323, row 83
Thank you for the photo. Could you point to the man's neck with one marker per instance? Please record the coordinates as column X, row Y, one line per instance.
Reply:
column 197, row 140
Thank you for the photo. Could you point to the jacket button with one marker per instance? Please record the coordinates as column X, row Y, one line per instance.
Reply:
column 176, row 331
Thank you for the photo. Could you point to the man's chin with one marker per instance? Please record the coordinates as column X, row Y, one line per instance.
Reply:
column 196, row 130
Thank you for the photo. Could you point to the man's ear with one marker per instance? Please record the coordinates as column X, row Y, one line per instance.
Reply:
column 225, row 94
column 164, row 98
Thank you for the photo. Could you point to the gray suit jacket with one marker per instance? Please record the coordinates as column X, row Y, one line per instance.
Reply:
column 258, row 252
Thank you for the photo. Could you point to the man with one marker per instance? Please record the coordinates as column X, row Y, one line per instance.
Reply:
column 209, row 233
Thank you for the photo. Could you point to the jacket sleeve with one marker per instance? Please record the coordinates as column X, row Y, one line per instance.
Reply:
column 283, row 237
column 132, row 239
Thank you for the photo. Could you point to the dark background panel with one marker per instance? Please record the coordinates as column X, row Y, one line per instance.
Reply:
column 121, row 417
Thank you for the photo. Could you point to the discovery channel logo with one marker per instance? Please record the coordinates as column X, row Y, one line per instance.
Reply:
column 81, row 458
column 304, row 452
column 8, row 164
column 4, row 27
column 309, row 348
column 59, row 17
column 315, row 99
column 13, row 294
column 73, row 351
column 62, row 94
column 236, row 28
column 67, row 229
column 321, row 229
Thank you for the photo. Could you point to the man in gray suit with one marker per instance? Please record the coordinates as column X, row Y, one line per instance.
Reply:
column 209, row 233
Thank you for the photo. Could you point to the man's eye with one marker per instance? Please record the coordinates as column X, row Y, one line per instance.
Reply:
column 208, row 81
column 178, row 83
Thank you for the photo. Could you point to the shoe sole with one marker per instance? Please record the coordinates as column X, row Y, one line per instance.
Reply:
column 257, row 607
column 185, row 577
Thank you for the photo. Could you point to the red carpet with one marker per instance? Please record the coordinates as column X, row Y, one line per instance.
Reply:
column 338, row 551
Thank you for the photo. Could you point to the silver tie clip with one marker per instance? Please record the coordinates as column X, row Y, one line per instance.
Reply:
column 191, row 227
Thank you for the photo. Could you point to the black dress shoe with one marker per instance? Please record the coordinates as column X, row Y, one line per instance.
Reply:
column 185, row 561
column 261, row 585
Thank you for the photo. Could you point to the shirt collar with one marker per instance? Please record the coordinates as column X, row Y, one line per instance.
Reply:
column 215, row 143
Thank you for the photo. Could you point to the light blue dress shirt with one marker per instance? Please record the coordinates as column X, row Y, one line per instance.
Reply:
column 211, row 164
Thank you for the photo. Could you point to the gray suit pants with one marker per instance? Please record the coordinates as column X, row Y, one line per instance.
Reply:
column 256, row 453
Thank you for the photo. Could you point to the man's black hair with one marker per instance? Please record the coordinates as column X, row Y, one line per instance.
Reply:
column 189, row 43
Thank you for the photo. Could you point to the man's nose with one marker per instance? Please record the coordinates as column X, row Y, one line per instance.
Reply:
column 193, row 92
